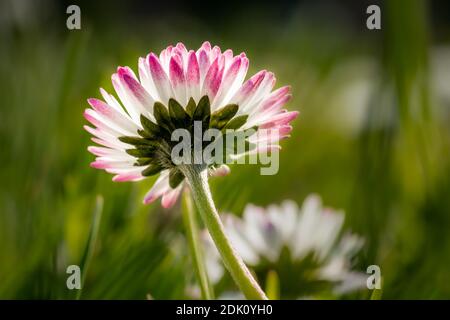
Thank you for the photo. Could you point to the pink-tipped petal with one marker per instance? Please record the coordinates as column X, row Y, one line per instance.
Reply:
column 105, row 126
column 112, row 101
column 146, row 78
column 106, row 143
column 112, row 116
column 203, row 63
column 106, row 163
column 271, row 136
column 170, row 197
column 181, row 51
column 261, row 115
column 107, row 152
column 164, row 57
column 260, row 91
column 206, row 46
column 274, row 97
column 213, row 79
column 232, row 79
column 193, row 76
column 215, row 53
column 228, row 56
column 121, row 91
column 160, row 78
column 176, row 75
column 221, row 171
column 127, row 177
column 248, row 88
column 135, row 92
column 280, row 119
column 105, row 139
column 159, row 188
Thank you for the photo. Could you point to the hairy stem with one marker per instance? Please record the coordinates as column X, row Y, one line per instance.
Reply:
column 197, row 177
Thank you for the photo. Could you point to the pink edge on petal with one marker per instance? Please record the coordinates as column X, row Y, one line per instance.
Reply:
column 180, row 46
column 89, row 129
column 150, row 199
column 127, row 177
column 121, row 71
column 280, row 92
column 250, row 86
column 206, row 46
column 100, row 106
column 126, row 76
column 98, row 164
column 286, row 129
column 170, row 197
column 160, row 78
column 276, row 104
column 165, row 53
column 98, row 151
column 280, row 119
column 271, row 135
column 215, row 53
column 156, row 67
column 193, row 71
column 228, row 54
column 160, row 186
column 213, row 79
column 97, row 123
column 221, row 171
column 90, row 118
column 234, row 67
column 104, row 143
column 136, row 88
column 203, row 62
column 176, row 73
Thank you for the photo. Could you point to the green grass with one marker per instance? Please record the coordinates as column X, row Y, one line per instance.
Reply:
column 390, row 171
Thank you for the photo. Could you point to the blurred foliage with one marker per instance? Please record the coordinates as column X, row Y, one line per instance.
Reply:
column 372, row 138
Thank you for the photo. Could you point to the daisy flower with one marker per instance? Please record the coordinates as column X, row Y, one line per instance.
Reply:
column 171, row 91
column 304, row 246
column 181, row 91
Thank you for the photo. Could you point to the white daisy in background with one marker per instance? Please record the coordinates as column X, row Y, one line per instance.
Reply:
column 172, row 90
column 304, row 246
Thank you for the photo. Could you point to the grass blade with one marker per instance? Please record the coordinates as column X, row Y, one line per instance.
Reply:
column 90, row 244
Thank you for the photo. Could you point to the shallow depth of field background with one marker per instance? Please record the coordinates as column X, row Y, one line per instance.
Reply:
column 372, row 138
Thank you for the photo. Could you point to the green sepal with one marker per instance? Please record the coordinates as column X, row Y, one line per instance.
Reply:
column 151, row 170
column 162, row 116
column 175, row 178
column 137, row 141
column 141, row 152
column 179, row 117
column 203, row 110
column 236, row 122
column 145, row 134
column 221, row 117
column 190, row 107
column 144, row 161
column 151, row 129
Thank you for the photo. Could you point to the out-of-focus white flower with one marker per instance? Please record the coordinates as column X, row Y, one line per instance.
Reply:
column 172, row 91
column 305, row 243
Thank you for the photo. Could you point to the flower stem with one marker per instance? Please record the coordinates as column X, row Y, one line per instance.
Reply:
column 192, row 232
column 197, row 178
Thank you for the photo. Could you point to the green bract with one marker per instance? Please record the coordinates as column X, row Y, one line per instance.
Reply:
column 152, row 148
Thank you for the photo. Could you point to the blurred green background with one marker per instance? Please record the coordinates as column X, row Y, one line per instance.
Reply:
column 372, row 138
